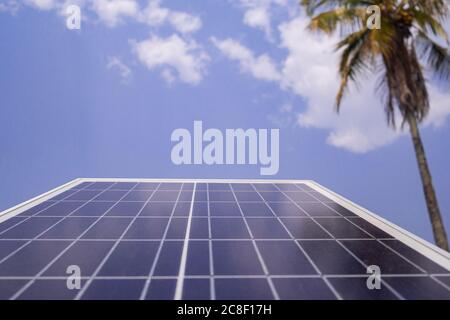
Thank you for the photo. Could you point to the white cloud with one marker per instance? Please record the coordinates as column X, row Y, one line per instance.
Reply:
column 258, row 17
column 10, row 6
column 124, row 71
column 155, row 15
column 257, row 14
column 173, row 54
column 261, row 67
column 112, row 12
column 42, row 4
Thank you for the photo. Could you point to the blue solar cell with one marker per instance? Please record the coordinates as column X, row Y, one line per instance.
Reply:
column 235, row 258
column 356, row 288
column 99, row 186
column 168, row 263
column 221, row 196
column 255, row 209
column 286, row 209
column 29, row 228
column 265, row 187
column 224, row 209
column 198, row 258
column 177, row 228
column 418, row 288
column 274, row 196
column 300, row 196
column 130, row 258
column 114, row 195
column 188, row 187
column 138, row 196
column 170, row 186
column 147, row 228
column 248, row 196
column 161, row 289
column 49, row 290
column 303, row 289
column 117, row 289
column 229, row 228
column 201, row 187
column 201, row 196
column 125, row 209
column 69, row 228
column 342, row 229
column 93, row 209
column 9, row 287
column 182, row 209
column 87, row 255
column 341, row 210
column 185, row 196
column 267, row 228
column 199, row 228
column 219, row 187
column 123, row 186
column 242, row 187
column 284, row 258
column 63, row 208
column 200, row 209
column 165, row 196
column 157, row 209
column 196, row 289
column 318, row 209
column 243, row 289
column 304, row 228
column 372, row 252
column 370, row 228
column 107, row 228
column 146, row 186
column 84, row 195
column 287, row 187
column 10, row 223
column 331, row 258
column 29, row 260
column 7, row 247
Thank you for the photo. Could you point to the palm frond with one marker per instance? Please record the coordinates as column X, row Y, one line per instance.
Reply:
column 353, row 60
column 437, row 57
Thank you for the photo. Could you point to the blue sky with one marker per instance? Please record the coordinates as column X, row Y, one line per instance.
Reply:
column 103, row 101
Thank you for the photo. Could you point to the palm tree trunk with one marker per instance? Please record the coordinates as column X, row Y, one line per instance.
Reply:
column 437, row 224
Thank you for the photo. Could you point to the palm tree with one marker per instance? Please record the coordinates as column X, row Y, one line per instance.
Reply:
column 410, row 33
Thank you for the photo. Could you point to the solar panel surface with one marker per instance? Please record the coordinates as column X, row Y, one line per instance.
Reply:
column 205, row 240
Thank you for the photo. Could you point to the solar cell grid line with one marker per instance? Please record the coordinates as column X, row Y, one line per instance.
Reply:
column 28, row 241
column 38, row 275
column 35, row 214
column 384, row 244
column 181, row 273
column 116, row 243
column 338, row 296
column 398, row 295
column 260, row 258
column 158, row 252
column 211, row 258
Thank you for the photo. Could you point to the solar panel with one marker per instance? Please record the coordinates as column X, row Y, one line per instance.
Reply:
column 139, row 239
